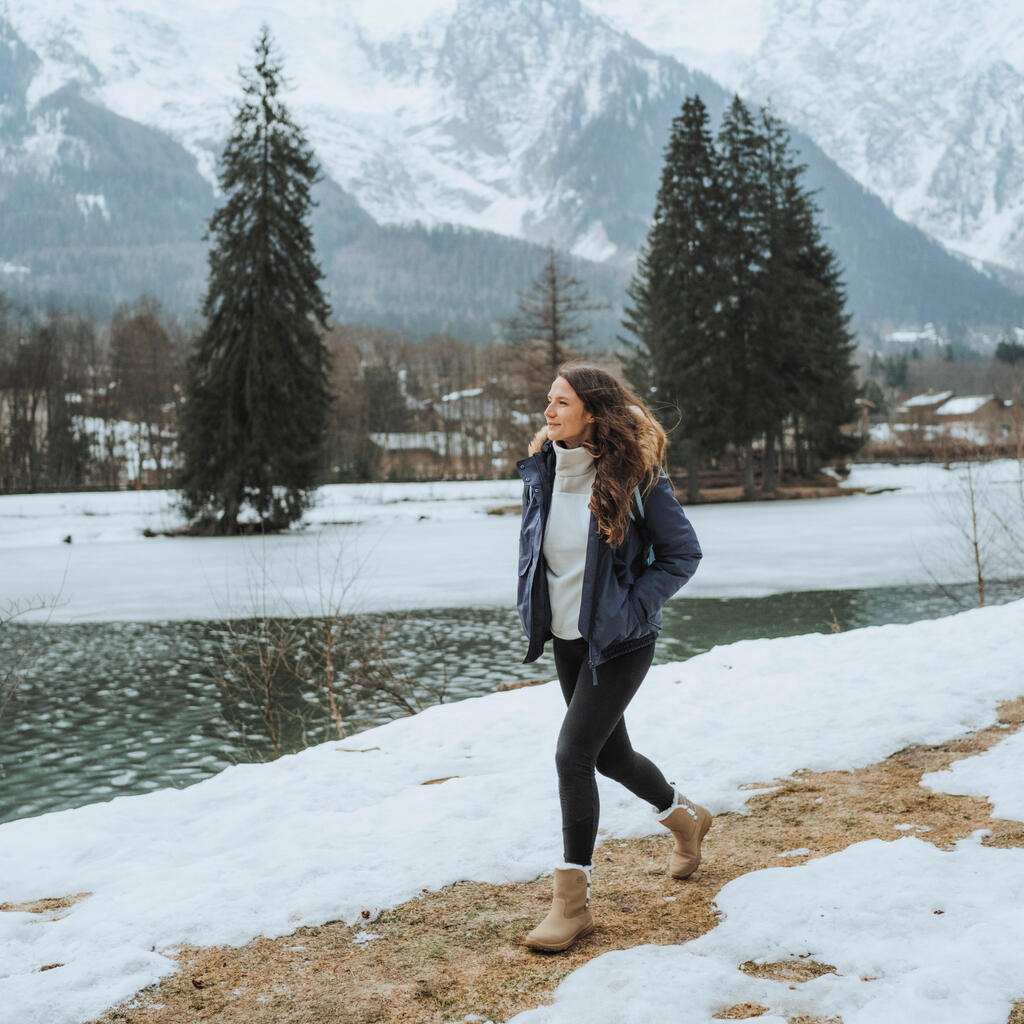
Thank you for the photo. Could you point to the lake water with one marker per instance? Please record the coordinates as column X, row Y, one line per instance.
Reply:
column 110, row 709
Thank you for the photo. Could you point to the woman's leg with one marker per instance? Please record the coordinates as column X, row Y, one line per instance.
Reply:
column 593, row 736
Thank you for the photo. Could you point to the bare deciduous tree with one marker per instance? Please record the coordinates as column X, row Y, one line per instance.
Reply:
column 547, row 328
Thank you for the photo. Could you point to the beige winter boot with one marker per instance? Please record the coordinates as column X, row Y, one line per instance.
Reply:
column 569, row 917
column 689, row 823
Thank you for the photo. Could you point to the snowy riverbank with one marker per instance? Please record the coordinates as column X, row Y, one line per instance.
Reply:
column 327, row 833
column 377, row 547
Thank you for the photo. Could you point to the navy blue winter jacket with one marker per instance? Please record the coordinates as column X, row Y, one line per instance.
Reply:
column 622, row 593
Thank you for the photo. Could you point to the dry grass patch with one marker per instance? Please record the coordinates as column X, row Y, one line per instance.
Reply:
column 742, row 1011
column 459, row 951
column 55, row 906
column 787, row 970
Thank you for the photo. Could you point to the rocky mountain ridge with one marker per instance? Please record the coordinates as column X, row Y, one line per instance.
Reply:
column 533, row 120
column 922, row 103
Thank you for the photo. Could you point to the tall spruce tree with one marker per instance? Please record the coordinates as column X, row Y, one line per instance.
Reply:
column 824, row 397
column 675, row 298
column 744, row 244
column 782, row 343
column 256, row 401
column 804, row 338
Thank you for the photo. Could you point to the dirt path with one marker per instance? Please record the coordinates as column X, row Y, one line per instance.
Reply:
column 457, row 952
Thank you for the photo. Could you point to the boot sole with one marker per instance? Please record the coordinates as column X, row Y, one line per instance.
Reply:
column 553, row 948
column 705, row 828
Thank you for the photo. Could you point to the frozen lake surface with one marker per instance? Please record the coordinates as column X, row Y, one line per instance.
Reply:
column 375, row 547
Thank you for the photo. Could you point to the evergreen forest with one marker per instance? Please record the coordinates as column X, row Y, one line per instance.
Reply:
column 736, row 323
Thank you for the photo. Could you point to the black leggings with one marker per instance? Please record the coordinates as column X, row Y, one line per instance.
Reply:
column 593, row 735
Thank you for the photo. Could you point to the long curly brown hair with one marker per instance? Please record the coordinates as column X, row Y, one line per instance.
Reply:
column 628, row 445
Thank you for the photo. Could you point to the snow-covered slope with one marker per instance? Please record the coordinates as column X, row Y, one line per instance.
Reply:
column 922, row 103
column 476, row 112
column 472, row 113
column 537, row 120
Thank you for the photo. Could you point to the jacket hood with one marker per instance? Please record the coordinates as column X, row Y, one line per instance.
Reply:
column 538, row 441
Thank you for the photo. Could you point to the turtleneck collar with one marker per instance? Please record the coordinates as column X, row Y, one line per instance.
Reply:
column 572, row 461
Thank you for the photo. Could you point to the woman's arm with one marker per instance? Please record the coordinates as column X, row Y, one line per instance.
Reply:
column 676, row 551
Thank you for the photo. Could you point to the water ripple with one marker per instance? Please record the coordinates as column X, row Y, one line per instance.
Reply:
column 111, row 709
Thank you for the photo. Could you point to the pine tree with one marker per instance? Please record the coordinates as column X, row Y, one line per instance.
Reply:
column 256, row 399
column 802, row 346
column 744, row 243
column 827, row 392
column 782, row 342
column 675, row 297
column 1009, row 352
column 737, row 304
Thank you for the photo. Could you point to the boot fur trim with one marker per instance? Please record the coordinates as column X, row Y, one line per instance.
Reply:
column 680, row 801
column 566, row 866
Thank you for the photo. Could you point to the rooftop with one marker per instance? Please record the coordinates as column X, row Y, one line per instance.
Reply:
column 927, row 398
column 964, row 405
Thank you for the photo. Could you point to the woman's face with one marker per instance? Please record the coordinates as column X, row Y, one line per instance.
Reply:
column 568, row 421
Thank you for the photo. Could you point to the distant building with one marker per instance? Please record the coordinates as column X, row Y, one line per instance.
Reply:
column 921, row 408
column 915, row 419
column 936, row 416
column 476, row 405
column 978, row 418
column 437, row 454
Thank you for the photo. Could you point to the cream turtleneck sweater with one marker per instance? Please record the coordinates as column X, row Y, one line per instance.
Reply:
column 565, row 537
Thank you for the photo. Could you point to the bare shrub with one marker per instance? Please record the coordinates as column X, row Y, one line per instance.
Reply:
column 986, row 514
column 27, row 652
column 288, row 682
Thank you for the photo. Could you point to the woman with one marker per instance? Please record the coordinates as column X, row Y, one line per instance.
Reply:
column 603, row 545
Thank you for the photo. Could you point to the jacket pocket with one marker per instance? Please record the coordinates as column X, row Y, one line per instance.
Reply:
column 617, row 618
column 639, row 619
column 640, row 610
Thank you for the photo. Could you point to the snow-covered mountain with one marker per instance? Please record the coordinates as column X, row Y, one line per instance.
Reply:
column 480, row 113
column 535, row 120
column 922, row 102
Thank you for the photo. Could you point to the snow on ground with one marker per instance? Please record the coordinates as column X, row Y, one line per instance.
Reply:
column 331, row 831
column 996, row 773
column 915, row 934
column 383, row 546
column 929, row 477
